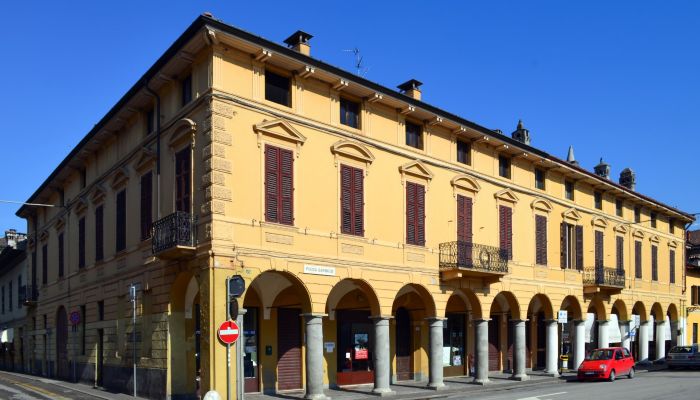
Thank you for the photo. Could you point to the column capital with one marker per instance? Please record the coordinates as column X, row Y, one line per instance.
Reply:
column 549, row 321
column 314, row 315
column 519, row 320
column 381, row 317
column 481, row 320
column 431, row 319
column 602, row 321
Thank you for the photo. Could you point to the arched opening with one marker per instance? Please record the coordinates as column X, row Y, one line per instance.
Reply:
column 673, row 324
column 595, row 315
column 350, row 306
column 275, row 302
column 62, row 367
column 657, row 342
column 412, row 304
column 462, row 308
column 571, row 305
column 539, row 311
column 185, row 341
column 504, row 310
column 639, row 315
column 618, row 315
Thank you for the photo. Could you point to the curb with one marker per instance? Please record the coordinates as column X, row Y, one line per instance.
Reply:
column 63, row 385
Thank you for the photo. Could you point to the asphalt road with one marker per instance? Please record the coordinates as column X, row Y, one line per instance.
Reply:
column 657, row 385
column 16, row 387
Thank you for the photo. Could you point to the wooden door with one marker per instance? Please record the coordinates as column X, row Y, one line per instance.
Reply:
column 62, row 368
column 404, row 347
column 494, row 343
column 289, row 349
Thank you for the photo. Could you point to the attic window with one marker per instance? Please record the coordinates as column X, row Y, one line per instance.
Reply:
column 277, row 88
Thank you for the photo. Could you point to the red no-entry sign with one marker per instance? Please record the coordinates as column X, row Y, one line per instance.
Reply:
column 229, row 332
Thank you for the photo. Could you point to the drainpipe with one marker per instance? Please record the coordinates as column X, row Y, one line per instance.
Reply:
column 154, row 94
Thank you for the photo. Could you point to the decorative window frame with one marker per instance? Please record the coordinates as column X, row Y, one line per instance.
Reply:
column 81, row 206
column 98, row 195
column 183, row 130
column 416, row 169
column 542, row 205
column 119, row 178
column 280, row 129
column 353, row 151
column 571, row 214
column 506, row 196
column 622, row 229
column 599, row 222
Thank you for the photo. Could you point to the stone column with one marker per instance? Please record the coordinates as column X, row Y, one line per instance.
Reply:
column 625, row 334
column 579, row 343
column 643, row 342
column 314, row 356
column 382, row 361
column 552, row 347
column 519, row 350
column 435, row 378
column 481, row 347
column 660, row 339
column 603, row 335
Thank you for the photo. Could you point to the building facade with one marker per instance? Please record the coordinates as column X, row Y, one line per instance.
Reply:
column 692, row 266
column 13, row 275
column 381, row 238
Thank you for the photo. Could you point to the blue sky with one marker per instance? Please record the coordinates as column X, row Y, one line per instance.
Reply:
column 618, row 80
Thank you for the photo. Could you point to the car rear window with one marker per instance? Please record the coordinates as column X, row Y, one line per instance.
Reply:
column 681, row 349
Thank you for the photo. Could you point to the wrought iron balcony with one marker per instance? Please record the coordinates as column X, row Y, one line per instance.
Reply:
column 29, row 295
column 174, row 236
column 601, row 278
column 459, row 259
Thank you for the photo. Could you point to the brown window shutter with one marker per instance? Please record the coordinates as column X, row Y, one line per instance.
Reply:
column 506, row 231
column 464, row 219
column 271, row 183
column 358, row 202
column 579, row 247
column 599, row 249
column 286, row 194
column 620, row 241
column 563, row 243
column 81, row 243
column 654, row 264
column 541, row 239
column 183, row 166
column 410, row 213
column 120, row 242
column 99, row 233
column 420, row 215
column 694, row 295
column 345, row 199
column 146, row 205
column 672, row 266
column 638, row 259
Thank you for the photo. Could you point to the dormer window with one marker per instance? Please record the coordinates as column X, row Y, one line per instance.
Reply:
column 539, row 179
column 653, row 220
column 598, row 200
column 504, row 167
column 637, row 214
column 414, row 135
column 569, row 190
column 349, row 113
column 277, row 88
column 463, row 152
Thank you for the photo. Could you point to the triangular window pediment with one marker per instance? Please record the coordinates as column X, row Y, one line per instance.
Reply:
column 542, row 205
column 416, row 168
column 599, row 222
column 654, row 239
column 673, row 244
column 466, row 182
column 60, row 223
column 146, row 160
column 280, row 129
column 638, row 233
column 119, row 178
column 621, row 228
column 572, row 214
column 97, row 195
column 353, row 150
column 43, row 236
column 506, row 195
column 80, row 206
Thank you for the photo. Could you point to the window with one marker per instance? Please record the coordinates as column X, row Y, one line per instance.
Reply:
column 415, row 214
column 672, row 266
column 638, row 259
column 654, row 263
column 186, row 87
column 19, row 291
column 414, row 135
column 540, row 239
column 653, row 220
column 504, row 167
column 45, row 264
column 99, row 233
column 9, row 296
column 146, row 205
column 539, row 178
column 61, row 261
column 120, row 239
column 695, row 332
column 671, row 225
column 637, row 214
column 150, row 121
column 101, row 310
column 464, row 152
column 279, row 185
column 183, row 168
column 464, row 219
column 349, row 113
column 618, row 207
column 505, row 223
column 352, row 200
column 620, row 254
column 569, row 190
column 277, row 88
column 598, row 200
column 81, row 242
column 694, row 298
column 599, row 255
column 571, row 246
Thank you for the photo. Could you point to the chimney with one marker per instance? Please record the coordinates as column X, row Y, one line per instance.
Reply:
column 521, row 134
column 410, row 88
column 602, row 169
column 628, row 178
column 299, row 41
column 570, row 156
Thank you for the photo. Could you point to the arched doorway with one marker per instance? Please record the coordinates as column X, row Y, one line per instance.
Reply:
column 619, row 317
column 569, row 340
column 275, row 302
column 504, row 310
column 639, row 312
column 185, row 336
column 412, row 304
column 672, row 321
column 657, row 345
column 595, row 316
column 62, row 367
column 539, row 312
column 459, row 336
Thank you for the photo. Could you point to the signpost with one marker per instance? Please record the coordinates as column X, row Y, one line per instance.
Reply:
column 229, row 332
column 562, row 318
column 132, row 295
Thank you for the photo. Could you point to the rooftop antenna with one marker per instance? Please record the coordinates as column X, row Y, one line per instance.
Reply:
column 358, row 61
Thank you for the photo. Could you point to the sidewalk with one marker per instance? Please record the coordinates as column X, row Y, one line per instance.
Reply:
column 78, row 387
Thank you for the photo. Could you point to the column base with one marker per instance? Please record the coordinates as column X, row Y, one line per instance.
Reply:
column 521, row 377
column 481, row 382
column 383, row 392
column 440, row 386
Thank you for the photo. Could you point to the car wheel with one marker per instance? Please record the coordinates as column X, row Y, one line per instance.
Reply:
column 631, row 374
column 612, row 376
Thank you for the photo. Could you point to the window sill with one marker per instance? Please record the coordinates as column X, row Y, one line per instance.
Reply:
column 276, row 225
column 356, row 238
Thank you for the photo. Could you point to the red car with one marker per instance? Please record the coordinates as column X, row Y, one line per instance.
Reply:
column 608, row 363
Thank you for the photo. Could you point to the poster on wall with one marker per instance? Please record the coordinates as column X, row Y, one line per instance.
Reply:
column 361, row 341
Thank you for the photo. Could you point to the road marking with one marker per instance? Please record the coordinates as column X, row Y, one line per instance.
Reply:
column 43, row 392
column 539, row 397
column 17, row 394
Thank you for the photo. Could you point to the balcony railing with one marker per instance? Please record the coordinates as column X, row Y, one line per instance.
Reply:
column 174, row 235
column 604, row 277
column 28, row 294
column 473, row 257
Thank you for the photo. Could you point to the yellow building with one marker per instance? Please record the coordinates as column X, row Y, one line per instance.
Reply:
column 382, row 239
column 692, row 284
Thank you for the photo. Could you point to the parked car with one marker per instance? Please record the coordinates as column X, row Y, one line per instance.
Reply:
column 607, row 363
column 683, row 356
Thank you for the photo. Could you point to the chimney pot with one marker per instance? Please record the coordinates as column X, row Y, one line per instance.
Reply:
column 602, row 169
column 628, row 178
column 299, row 41
column 410, row 88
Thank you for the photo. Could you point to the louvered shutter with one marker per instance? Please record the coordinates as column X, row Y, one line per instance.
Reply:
column 638, row 259
column 541, row 239
column 693, row 295
column 506, row 231
column 672, row 266
column 271, row 183
column 286, row 194
column 464, row 219
column 579, row 247
column 358, row 202
column 346, row 179
column 563, row 244
column 410, row 213
column 654, row 264
column 420, row 215
column 620, row 255
column 599, row 249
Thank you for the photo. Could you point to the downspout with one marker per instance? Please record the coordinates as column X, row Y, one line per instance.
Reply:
column 154, row 94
